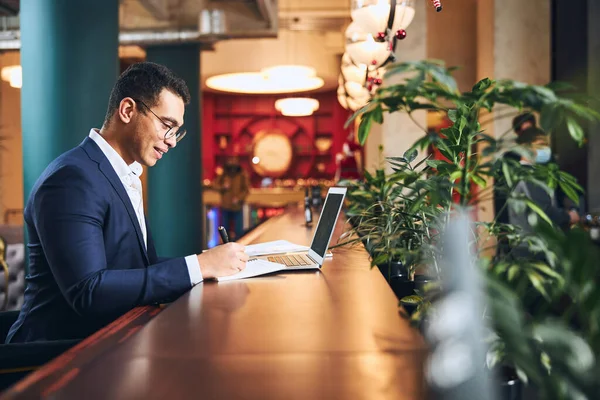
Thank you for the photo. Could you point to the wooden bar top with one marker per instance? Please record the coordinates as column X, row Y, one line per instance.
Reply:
column 329, row 334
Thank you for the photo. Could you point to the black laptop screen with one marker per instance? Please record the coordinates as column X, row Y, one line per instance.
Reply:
column 326, row 223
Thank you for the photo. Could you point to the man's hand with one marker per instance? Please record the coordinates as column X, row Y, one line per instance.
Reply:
column 573, row 216
column 223, row 260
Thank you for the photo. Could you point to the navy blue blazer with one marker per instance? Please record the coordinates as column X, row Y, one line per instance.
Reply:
column 87, row 260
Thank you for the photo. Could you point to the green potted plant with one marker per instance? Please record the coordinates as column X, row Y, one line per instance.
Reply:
column 472, row 159
column 391, row 215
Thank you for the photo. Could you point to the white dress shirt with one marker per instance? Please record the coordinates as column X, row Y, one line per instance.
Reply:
column 130, row 178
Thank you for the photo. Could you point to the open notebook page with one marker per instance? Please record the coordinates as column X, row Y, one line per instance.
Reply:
column 254, row 267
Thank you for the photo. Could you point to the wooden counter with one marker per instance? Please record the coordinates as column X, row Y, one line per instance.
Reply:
column 334, row 334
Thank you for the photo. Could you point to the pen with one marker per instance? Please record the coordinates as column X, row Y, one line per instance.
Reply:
column 223, row 234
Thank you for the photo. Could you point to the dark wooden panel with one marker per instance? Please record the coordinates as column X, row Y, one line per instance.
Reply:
column 323, row 335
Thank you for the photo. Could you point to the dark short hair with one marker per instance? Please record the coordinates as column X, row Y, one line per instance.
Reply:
column 145, row 81
column 521, row 119
column 530, row 135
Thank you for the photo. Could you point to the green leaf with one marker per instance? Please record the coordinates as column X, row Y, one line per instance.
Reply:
column 479, row 181
column 377, row 114
column 482, row 85
column 538, row 282
column 493, row 358
column 364, row 128
column 569, row 191
column 547, row 270
column 398, row 68
column 380, row 259
column 362, row 110
column 462, row 122
column 585, row 112
column 558, row 86
column 546, row 93
column 411, row 154
column 442, row 76
column 435, row 163
column 522, row 375
column 549, row 118
column 507, row 176
column 412, row 299
column 453, row 115
column 512, row 272
column 533, row 205
column 456, row 175
column 575, row 130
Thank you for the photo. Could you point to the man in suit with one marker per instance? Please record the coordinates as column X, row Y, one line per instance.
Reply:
column 92, row 257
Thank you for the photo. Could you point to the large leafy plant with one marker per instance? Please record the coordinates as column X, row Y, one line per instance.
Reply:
column 391, row 212
column 473, row 158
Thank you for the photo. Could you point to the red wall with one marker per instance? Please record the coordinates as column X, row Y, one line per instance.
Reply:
column 238, row 118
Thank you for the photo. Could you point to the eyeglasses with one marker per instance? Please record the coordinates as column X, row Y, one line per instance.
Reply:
column 179, row 133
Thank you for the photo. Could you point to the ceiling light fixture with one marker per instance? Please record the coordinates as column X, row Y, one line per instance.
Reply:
column 352, row 95
column 263, row 83
column 373, row 16
column 297, row 106
column 363, row 49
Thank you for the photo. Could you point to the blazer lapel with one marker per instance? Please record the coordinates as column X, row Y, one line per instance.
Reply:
column 94, row 152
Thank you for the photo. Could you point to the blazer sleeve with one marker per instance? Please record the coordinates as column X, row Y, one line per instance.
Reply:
column 69, row 214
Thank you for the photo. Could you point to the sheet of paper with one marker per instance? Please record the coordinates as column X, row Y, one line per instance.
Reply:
column 254, row 268
column 274, row 247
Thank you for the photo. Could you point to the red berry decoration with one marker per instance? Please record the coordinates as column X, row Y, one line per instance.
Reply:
column 374, row 62
column 401, row 34
column 380, row 36
column 437, row 4
column 378, row 81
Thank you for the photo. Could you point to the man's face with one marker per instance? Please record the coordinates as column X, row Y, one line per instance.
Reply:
column 525, row 125
column 538, row 143
column 148, row 143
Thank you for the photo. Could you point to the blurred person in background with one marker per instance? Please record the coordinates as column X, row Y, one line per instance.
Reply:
column 520, row 123
column 536, row 141
column 234, row 186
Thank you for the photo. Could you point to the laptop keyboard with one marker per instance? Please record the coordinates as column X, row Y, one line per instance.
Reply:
column 292, row 260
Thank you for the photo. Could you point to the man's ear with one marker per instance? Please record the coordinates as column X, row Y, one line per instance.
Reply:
column 127, row 108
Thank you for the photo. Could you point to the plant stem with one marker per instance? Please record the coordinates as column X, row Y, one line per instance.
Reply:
column 416, row 123
column 464, row 196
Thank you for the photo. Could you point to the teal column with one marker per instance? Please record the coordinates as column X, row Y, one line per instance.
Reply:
column 70, row 61
column 174, row 184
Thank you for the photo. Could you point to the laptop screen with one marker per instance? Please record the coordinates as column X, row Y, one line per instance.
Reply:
column 326, row 223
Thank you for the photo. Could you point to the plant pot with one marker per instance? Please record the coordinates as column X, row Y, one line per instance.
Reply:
column 394, row 270
column 402, row 288
column 398, row 277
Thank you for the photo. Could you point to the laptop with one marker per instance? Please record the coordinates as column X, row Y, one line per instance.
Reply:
column 313, row 258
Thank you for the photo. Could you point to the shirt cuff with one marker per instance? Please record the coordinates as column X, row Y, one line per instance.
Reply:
column 194, row 269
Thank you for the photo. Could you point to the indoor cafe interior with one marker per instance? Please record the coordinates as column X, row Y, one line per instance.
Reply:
column 322, row 199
